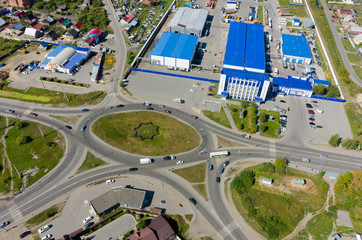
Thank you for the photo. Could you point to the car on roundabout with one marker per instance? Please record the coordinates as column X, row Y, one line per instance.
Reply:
column 108, row 107
column 179, row 162
column 85, row 110
column 169, row 158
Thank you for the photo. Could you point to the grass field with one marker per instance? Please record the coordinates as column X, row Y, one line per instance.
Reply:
column 90, row 162
column 6, row 45
column 347, row 45
column 248, row 123
column 219, row 117
column 36, row 153
column 45, row 215
column 298, row 11
column 354, row 114
column 174, row 136
column 193, row 174
column 353, row 58
column 109, row 61
column 319, row 227
column 55, row 98
column 358, row 71
column 276, row 215
column 223, row 142
column 273, row 130
column 261, row 14
column 71, row 120
column 201, row 189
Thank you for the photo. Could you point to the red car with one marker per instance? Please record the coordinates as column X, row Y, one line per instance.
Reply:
column 310, row 111
column 34, row 114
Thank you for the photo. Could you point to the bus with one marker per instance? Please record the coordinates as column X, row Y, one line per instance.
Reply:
column 219, row 154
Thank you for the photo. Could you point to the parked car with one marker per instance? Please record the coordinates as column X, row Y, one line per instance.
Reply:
column 221, row 170
column 88, row 225
column 87, row 219
column 311, row 112
column 4, row 224
column 168, row 111
column 46, row 237
column 218, row 179
column 110, row 181
column 192, row 90
column 226, row 163
column 120, row 105
column 309, row 105
column 44, row 228
column 24, row 234
column 319, row 126
column 319, row 110
column 108, row 107
column 211, row 166
column 282, row 101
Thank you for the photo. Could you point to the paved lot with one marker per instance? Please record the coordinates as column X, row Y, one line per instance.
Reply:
column 76, row 210
column 298, row 130
column 343, row 219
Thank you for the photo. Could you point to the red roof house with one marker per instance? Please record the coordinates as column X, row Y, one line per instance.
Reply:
column 78, row 25
column 127, row 19
column 37, row 25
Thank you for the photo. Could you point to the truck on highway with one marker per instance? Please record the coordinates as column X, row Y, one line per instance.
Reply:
column 145, row 160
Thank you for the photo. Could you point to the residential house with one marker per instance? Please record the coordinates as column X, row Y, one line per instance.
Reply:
column 2, row 23
column 345, row 12
column 358, row 39
column 19, row 14
column 37, row 25
column 15, row 29
column 120, row 15
column 348, row 19
column 20, row 3
column 127, row 19
column 49, row 20
column 72, row 33
column 52, row 35
column 62, row 8
column 32, row 32
column 78, row 25
column 65, row 22
column 30, row 18
column 354, row 29
column 43, row 45
column 158, row 229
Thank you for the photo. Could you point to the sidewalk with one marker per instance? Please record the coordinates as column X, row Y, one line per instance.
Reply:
column 231, row 120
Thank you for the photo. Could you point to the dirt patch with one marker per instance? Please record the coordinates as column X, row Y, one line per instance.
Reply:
column 275, row 187
column 308, row 187
column 225, row 143
column 70, row 120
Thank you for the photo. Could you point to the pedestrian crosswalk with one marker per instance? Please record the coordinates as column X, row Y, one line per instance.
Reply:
column 227, row 230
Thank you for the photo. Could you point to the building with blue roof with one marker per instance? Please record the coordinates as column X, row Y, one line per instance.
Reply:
column 174, row 50
column 295, row 49
column 245, row 47
column 243, row 85
column 292, row 86
column 64, row 59
column 323, row 82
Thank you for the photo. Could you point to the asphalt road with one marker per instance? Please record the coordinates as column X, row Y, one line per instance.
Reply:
column 340, row 47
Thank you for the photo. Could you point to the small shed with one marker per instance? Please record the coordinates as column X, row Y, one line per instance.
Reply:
column 268, row 181
column 296, row 22
column 298, row 181
column 52, row 35
column 2, row 23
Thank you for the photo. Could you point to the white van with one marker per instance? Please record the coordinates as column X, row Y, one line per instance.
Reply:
column 305, row 160
column 276, row 71
column 87, row 219
column 43, row 229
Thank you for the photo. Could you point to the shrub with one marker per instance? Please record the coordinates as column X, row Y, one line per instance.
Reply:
column 20, row 139
column 280, row 164
column 263, row 128
column 324, row 186
column 334, row 140
column 18, row 124
column 262, row 117
column 142, row 224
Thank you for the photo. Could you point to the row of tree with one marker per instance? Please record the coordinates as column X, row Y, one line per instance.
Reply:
column 347, row 143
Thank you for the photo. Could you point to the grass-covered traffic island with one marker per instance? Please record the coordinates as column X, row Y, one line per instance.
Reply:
column 274, row 210
column 146, row 133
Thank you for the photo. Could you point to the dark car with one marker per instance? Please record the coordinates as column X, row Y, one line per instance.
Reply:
column 149, row 108
column 88, row 224
column 168, row 111
column 211, row 167
column 83, row 128
column 67, row 126
column 85, row 110
column 309, row 105
column 169, row 158
column 218, row 179
column 311, row 123
column 319, row 126
column 24, row 234
column 226, row 163
column 194, row 116
column 282, row 101
column 120, row 105
column 4, row 224
column 221, row 170
column 193, row 201
column 34, row 114
column 133, row 169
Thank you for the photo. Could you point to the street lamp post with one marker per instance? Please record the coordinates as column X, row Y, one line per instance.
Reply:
column 129, row 146
column 187, row 145
column 155, row 149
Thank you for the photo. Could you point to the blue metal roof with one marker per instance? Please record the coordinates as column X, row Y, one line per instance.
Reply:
column 78, row 57
column 245, row 46
column 45, row 63
column 292, row 82
column 323, row 82
column 185, row 46
column 175, row 45
column 245, row 75
column 60, row 48
column 297, row 46
column 235, row 46
column 255, row 48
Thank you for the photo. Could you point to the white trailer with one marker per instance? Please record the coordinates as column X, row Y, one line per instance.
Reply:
column 145, row 160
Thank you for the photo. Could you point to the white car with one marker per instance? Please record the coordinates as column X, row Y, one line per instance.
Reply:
column 192, row 90
column 46, row 237
column 319, row 111
column 87, row 219
column 283, row 129
column 25, row 73
column 43, row 229
column 283, row 118
column 108, row 107
column 179, row 162
column 196, row 85
column 110, row 181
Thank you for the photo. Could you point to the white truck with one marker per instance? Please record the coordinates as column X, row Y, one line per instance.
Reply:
column 145, row 160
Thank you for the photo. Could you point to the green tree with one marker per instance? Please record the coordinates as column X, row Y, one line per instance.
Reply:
column 19, row 140
column 263, row 128
column 325, row 186
column 244, row 104
column 262, row 117
column 343, row 182
column 333, row 92
column 18, row 124
column 319, row 90
column 343, row 72
column 244, row 181
column 280, row 164
column 142, row 224
column 334, row 140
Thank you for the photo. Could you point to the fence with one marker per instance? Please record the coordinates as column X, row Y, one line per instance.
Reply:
column 49, row 43
column 12, row 51
column 328, row 98
column 175, row 75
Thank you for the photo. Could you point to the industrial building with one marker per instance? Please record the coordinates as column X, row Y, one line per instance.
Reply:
column 295, row 49
column 189, row 21
column 65, row 59
column 174, row 50
column 243, row 75
column 292, row 86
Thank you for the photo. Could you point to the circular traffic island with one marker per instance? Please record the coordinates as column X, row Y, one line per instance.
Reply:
column 146, row 133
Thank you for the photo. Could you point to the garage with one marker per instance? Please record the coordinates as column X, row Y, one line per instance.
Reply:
column 295, row 86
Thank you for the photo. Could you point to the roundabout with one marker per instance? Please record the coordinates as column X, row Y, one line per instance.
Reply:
column 146, row 133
